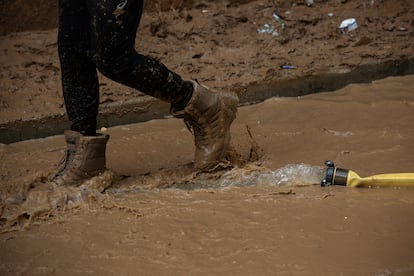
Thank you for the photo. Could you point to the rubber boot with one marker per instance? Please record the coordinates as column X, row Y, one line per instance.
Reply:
column 209, row 114
column 84, row 158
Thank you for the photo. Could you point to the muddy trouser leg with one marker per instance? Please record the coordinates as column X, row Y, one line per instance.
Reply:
column 113, row 32
column 79, row 78
column 108, row 43
column 210, row 114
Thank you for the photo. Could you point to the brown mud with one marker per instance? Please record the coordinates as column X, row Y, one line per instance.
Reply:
column 218, row 44
column 266, row 216
column 152, row 214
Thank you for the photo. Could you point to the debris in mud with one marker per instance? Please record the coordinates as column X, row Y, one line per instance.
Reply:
column 288, row 67
column 278, row 20
column 268, row 29
column 289, row 192
column 348, row 25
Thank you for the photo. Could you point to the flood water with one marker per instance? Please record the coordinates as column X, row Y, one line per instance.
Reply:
column 152, row 215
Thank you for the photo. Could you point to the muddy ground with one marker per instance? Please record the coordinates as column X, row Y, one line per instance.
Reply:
column 218, row 44
column 160, row 219
column 152, row 215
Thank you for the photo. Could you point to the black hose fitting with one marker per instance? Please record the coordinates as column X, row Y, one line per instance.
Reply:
column 334, row 176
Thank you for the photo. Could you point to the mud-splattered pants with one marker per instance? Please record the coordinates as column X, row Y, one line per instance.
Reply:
column 100, row 34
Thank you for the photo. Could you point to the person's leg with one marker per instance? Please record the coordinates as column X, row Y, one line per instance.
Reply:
column 85, row 153
column 113, row 34
column 79, row 77
column 210, row 114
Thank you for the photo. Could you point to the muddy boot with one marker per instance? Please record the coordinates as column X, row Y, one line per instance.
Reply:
column 84, row 158
column 209, row 114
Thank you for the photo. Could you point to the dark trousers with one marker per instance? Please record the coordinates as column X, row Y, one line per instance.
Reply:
column 100, row 34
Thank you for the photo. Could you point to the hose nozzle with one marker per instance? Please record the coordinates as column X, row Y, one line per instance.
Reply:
column 334, row 176
column 344, row 177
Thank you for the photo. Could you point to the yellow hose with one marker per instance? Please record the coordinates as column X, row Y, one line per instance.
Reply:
column 381, row 180
column 348, row 178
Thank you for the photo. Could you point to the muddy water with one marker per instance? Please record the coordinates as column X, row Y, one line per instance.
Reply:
column 263, row 217
column 248, row 231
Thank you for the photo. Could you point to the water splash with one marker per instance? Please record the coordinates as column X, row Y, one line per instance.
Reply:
column 43, row 198
column 297, row 174
column 252, row 175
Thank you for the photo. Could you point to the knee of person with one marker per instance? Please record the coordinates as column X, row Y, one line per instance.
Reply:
column 108, row 63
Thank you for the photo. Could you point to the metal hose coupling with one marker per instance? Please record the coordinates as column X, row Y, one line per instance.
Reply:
column 334, row 176
column 348, row 178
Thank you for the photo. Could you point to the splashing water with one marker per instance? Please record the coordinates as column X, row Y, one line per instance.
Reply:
column 251, row 175
column 297, row 174
column 45, row 197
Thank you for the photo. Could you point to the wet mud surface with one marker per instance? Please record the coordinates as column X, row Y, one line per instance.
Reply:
column 152, row 214
column 266, row 216
column 218, row 44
